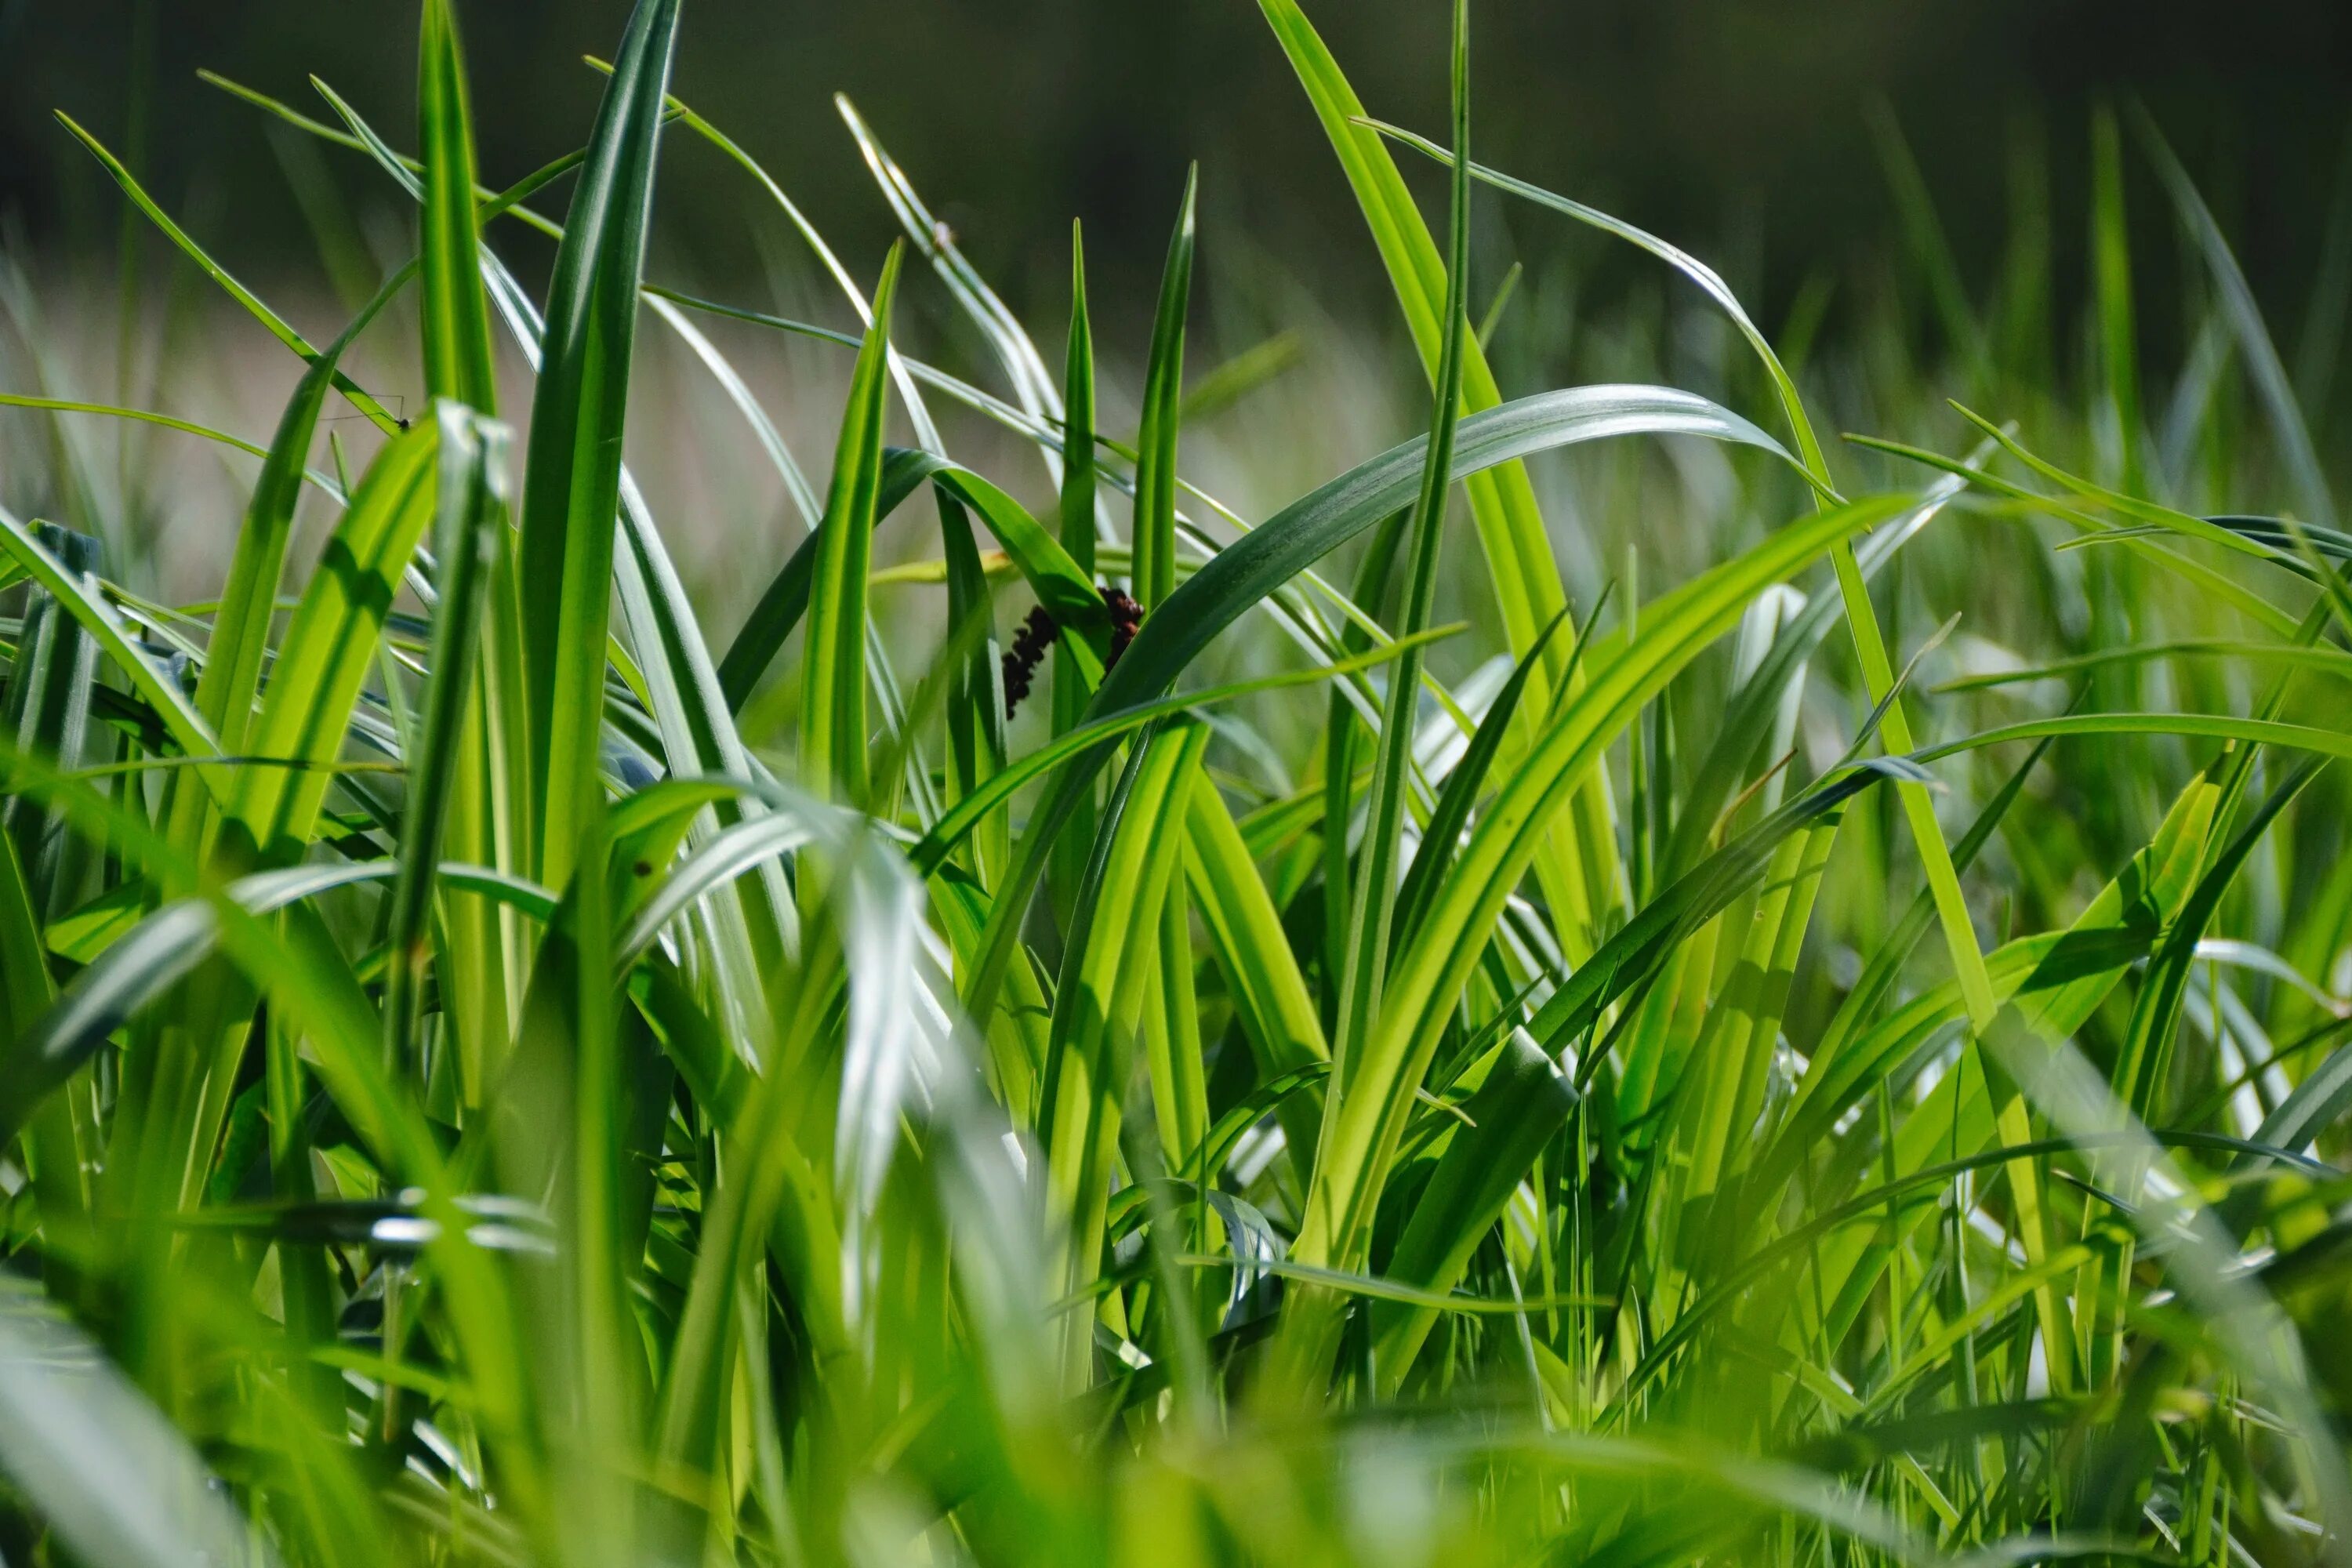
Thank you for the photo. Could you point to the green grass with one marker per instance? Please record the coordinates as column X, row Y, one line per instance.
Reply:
column 1829, row 1046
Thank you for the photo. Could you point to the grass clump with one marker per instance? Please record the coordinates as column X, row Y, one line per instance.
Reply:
column 495, row 1074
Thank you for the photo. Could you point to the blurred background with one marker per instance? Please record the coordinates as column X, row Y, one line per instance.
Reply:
column 1871, row 175
column 1742, row 126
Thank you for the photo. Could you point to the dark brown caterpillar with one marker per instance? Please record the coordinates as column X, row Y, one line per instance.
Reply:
column 1036, row 635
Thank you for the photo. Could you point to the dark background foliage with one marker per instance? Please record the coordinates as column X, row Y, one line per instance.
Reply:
column 1738, row 125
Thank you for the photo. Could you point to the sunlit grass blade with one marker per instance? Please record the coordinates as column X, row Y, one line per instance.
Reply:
column 1247, row 572
column 1103, row 985
column 1362, row 1138
column 331, row 644
column 360, row 400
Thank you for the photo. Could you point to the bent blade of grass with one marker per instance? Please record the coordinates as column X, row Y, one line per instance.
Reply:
column 1032, row 388
column 1112, row 953
column 2245, row 317
column 1261, row 563
column 1582, row 871
column 910, row 396
column 1878, row 670
column 1362, row 1137
column 382, row 417
column 315, row 681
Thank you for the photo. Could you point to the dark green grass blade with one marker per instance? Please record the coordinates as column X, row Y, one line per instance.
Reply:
column 470, row 511
column 572, row 487
column 1163, row 399
column 833, row 672
column 1373, row 880
column 457, row 317
column 1522, row 1104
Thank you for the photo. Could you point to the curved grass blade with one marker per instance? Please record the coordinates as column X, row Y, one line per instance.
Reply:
column 329, row 647
column 1362, row 1136
column 1286, row 544
column 376, row 413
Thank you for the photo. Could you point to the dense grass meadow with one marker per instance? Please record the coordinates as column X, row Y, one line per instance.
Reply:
column 1633, row 979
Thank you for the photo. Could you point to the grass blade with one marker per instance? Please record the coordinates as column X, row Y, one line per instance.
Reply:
column 834, row 736
column 572, row 487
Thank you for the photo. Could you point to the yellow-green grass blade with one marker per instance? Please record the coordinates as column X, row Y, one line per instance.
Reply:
column 329, row 645
column 1870, row 645
column 1247, row 572
column 226, row 692
column 1270, row 995
column 160, row 421
column 1362, row 1137
column 1072, row 685
column 571, row 486
column 1112, row 956
column 484, row 946
column 1520, row 566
